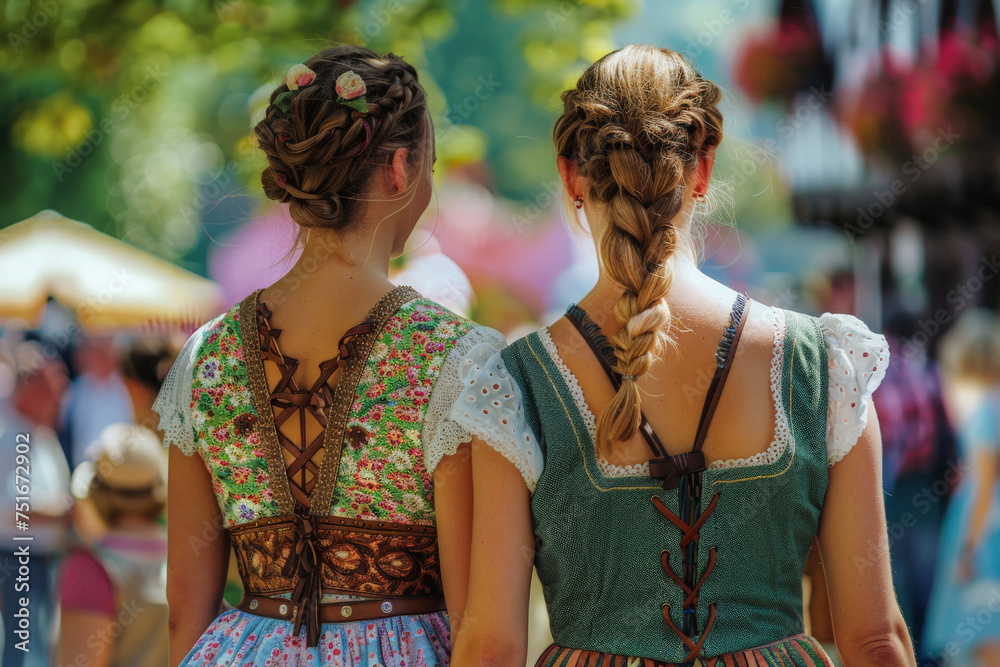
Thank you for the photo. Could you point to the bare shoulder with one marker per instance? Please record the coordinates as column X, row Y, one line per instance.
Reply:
column 704, row 315
column 764, row 329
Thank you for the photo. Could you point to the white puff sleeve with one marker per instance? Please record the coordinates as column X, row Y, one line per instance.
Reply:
column 858, row 361
column 441, row 435
column 489, row 407
column 173, row 403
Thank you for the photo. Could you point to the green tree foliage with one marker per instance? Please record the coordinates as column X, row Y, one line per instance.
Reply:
column 136, row 116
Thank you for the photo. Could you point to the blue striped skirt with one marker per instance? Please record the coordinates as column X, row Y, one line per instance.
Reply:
column 796, row 651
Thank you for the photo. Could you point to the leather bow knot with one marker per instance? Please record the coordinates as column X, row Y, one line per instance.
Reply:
column 671, row 468
column 300, row 398
column 304, row 564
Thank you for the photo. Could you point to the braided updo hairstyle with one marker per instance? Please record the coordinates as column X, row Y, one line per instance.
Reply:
column 635, row 125
column 318, row 161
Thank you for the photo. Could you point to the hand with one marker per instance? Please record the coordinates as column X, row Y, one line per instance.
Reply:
column 965, row 569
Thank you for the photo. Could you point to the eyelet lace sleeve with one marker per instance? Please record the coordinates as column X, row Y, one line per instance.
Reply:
column 858, row 361
column 173, row 403
column 441, row 434
column 489, row 407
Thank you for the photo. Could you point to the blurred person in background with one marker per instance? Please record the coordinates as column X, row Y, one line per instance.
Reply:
column 962, row 622
column 144, row 363
column 98, row 396
column 33, row 410
column 918, row 464
column 652, row 550
column 112, row 593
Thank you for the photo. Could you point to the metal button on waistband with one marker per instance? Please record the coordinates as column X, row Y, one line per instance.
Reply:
column 283, row 609
column 345, row 611
column 253, row 604
column 386, row 607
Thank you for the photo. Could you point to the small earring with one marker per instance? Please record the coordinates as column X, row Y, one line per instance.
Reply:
column 578, row 201
column 699, row 197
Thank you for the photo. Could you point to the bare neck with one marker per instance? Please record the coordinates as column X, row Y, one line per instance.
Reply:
column 337, row 266
column 689, row 286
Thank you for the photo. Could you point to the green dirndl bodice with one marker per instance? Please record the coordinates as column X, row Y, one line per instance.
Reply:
column 610, row 550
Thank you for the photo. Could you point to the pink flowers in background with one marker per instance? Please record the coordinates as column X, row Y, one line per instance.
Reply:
column 511, row 253
column 774, row 65
column 972, row 72
column 904, row 105
column 253, row 256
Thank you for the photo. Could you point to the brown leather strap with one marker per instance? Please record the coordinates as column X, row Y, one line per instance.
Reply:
column 645, row 428
column 341, row 612
column 666, row 467
column 718, row 382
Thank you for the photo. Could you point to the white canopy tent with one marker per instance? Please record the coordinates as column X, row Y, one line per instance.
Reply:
column 107, row 282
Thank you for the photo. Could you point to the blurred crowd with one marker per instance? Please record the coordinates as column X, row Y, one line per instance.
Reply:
column 98, row 492
column 96, row 469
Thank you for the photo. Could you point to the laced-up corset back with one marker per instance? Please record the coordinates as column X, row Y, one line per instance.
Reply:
column 306, row 550
column 674, row 564
column 685, row 467
column 296, row 408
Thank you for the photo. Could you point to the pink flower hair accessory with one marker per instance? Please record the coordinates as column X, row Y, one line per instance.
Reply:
column 351, row 91
column 279, row 178
column 298, row 77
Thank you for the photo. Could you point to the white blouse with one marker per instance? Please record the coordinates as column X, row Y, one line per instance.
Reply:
column 489, row 404
column 173, row 403
column 441, row 435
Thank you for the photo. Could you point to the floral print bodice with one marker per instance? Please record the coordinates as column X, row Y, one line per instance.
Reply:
column 396, row 428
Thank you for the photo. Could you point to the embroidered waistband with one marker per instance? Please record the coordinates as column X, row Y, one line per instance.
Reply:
column 364, row 557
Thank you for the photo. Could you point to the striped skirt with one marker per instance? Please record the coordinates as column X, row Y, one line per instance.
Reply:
column 796, row 651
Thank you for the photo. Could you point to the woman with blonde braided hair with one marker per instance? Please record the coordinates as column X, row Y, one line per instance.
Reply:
column 657, row 540
column 309, row 422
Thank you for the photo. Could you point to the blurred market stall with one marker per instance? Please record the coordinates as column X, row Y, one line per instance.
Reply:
column 107, row 282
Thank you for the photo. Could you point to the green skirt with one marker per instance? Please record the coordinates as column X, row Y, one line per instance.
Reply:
column 796, row 651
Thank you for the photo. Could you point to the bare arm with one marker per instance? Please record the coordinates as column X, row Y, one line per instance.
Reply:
column 985, row 470
column 197, row 552
column 867, row 623
column 85, row 635
column 453, row 511
column 494, row 631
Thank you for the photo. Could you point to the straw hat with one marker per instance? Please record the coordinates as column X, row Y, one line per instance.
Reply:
column 970, row 350
column 128, row 460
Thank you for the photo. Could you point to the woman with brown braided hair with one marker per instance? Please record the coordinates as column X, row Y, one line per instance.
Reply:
column 659, row 541
column 310, row 420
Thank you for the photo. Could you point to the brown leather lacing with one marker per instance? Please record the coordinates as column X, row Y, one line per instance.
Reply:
column 304, row 564
column 672, row 469
column 690, row 604
column 303, row 472
column 293, row 402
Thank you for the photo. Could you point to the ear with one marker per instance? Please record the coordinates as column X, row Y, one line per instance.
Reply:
column 399, row 170
column 703, row 173
column 571, row 181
